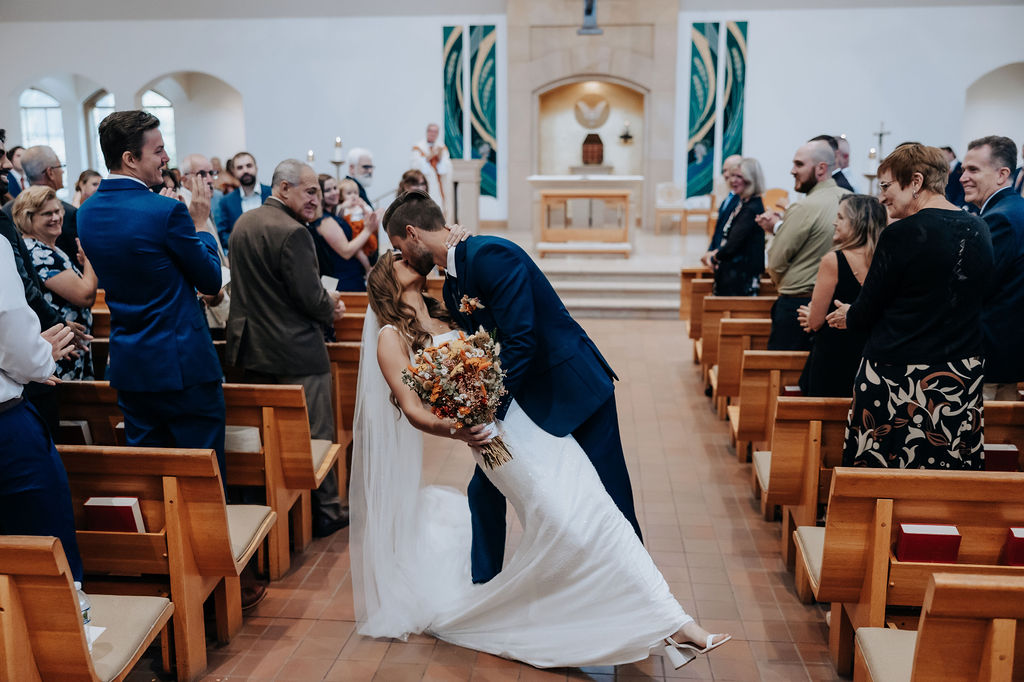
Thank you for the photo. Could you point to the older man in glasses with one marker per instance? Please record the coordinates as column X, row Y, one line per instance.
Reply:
column 42, row 167
column 360, row 169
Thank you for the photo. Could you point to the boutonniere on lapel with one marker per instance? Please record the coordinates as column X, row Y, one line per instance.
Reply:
column 469, row 305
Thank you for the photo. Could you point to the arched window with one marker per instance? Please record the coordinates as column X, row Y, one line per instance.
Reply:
column 41, row 121
column 97, row 108
column 161, row 107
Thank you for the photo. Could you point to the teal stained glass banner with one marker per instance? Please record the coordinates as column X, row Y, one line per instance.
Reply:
column 700, row 148
column 732, row 93
column 453, row 94
column 483, row 109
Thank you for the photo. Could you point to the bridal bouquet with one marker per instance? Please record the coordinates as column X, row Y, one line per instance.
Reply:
column 462, row 380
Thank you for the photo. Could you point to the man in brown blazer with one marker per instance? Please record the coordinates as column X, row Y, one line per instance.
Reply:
column 278, row 307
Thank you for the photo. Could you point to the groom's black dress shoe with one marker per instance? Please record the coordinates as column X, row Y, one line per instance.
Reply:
column 322, row 529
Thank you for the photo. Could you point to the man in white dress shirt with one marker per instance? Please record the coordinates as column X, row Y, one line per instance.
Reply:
column 35, row 498
column 430, row 157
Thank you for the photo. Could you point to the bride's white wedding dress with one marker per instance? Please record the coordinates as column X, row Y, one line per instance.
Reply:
column 580, row 588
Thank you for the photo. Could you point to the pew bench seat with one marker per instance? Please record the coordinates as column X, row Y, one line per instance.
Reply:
column 810, row 547
column 248, row 524
column 130, row 624
column 888, row 653
column 762, row 470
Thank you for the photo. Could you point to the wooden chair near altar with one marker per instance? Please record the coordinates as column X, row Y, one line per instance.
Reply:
column 41, row 632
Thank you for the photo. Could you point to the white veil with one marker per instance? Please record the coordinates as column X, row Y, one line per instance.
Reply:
column 409, row 545
column 387, row 454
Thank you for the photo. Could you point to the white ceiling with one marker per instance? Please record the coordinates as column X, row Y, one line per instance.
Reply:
column 111, row 10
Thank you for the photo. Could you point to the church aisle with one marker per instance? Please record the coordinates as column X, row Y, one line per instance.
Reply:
column 700, row 523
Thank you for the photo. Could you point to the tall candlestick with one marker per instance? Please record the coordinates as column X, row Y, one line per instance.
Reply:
column 310, row 156
column 337, row 149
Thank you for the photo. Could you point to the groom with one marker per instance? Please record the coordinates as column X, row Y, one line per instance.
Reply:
column 553, row 370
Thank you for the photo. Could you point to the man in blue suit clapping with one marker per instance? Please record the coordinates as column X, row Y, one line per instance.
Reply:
column 552, row 368
column 150, row 259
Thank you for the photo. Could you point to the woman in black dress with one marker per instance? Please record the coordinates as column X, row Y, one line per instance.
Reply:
column 917, row 401
column 739, row 260
column 835, row 353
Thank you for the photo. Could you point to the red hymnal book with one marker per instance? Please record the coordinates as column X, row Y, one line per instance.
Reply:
column 1002, row 457
column 118, row 514
column 928, row 543
column 1013, row 550
column 792, row 391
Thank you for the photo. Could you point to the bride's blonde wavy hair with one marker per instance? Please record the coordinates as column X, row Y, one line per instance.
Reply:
column 385, row 298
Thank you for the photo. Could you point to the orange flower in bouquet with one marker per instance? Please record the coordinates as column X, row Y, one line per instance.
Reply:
column 462, row 380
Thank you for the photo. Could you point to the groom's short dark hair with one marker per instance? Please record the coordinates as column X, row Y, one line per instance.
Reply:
column 412, row 208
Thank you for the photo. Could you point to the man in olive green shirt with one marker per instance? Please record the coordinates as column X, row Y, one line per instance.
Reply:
column 802, row 237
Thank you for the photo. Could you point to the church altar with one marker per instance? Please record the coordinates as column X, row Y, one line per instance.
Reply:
column 584, row 213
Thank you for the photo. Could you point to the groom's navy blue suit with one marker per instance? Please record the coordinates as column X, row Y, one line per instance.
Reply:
column 553, row 370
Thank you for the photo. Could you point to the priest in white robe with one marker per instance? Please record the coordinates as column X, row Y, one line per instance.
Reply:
column 430, row 157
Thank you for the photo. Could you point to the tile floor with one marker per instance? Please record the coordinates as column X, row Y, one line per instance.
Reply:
column 701, row 526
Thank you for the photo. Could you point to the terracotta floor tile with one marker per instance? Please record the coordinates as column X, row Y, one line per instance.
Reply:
column 400, row 672
column 300, row 669
column 437, row 672
column 352, row 671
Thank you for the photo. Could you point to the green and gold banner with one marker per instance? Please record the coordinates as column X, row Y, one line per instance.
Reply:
column 732, row 94
column 700, row 148
column 453, row 95
column 483, row 110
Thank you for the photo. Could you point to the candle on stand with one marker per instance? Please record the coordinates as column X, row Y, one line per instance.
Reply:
column 337, row 149
column 310, row 156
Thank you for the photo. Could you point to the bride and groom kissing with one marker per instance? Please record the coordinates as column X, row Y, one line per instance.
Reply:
column 579, row 589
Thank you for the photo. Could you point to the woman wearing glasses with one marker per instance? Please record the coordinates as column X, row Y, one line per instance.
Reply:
column 917, row 401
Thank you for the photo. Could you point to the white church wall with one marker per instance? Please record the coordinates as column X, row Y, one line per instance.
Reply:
column 846, row 70
column 995, row 105
column 373, row 81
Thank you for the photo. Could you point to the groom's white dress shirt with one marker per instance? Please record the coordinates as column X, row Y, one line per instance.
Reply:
column 449, row 267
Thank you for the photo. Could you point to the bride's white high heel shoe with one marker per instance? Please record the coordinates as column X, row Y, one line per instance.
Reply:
column 681, row 654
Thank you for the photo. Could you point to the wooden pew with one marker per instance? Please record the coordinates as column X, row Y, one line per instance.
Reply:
column 344, row 374
column 807, row 442
column 41, row 632
column 735, row 337
column 195, row 545
column 717, row 308
column 971, row 629
column 350, row 326
column 850, row 562
column 276, row 453
column 763, row 376
column 686, row 277
column 699, row 289
column 355, row 301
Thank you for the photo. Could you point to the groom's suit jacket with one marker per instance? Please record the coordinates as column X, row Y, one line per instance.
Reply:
column 553, row 370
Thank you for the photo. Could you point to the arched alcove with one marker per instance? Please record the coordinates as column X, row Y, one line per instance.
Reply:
column 568, row 111
column 209, row 116
column 993, row 104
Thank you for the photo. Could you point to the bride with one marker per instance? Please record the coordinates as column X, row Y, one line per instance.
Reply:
column 580, row 588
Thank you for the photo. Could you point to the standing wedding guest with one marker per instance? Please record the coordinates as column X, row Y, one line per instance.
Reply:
column 841, row 174
column 69, row 290
column 360, row 169
column 430, row 157
column 151, row 259
column 411, row 179
column 86, row 186
column 250, row 194
column 801, row 238
column 917, row 399
column 35, row 498
column 197, row 168
column 835, row 353
column 739, row 261
column 42, row 396
column 43, row 167
column 954, row 191
column 837, row 173
column 344, row 258
column 278, row 306
column 724, row 209
column 987, row 169
column 197, row 164
column 16, row 179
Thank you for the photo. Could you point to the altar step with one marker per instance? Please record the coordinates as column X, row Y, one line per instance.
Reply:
column 621, row 289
